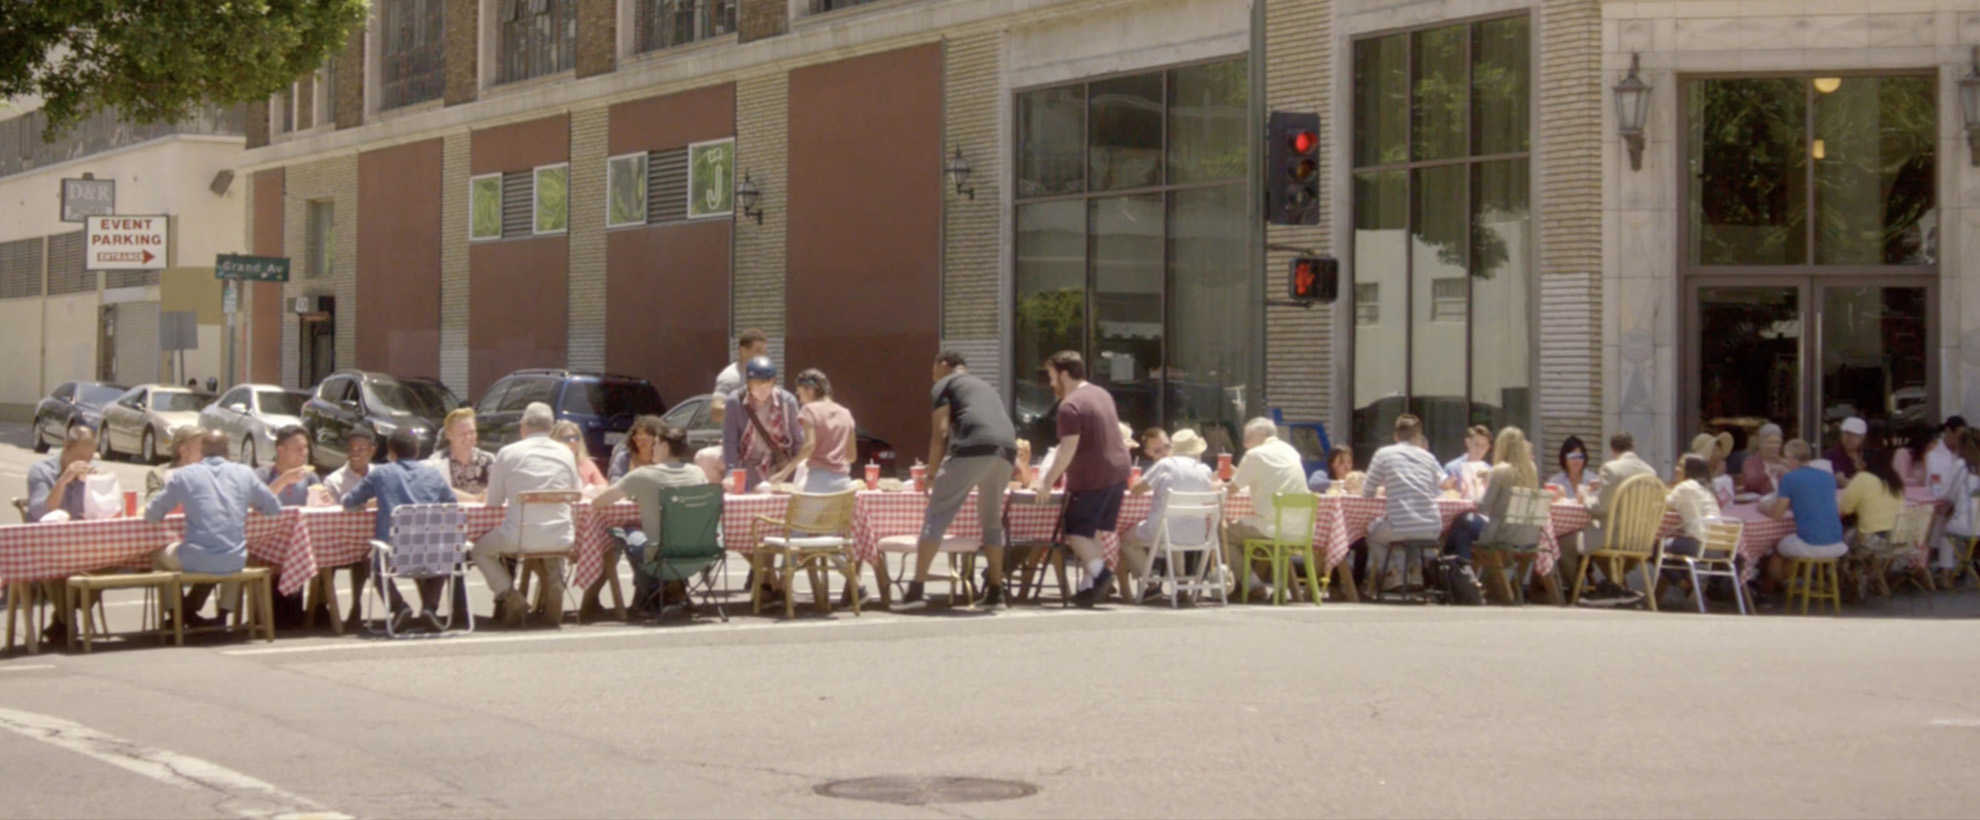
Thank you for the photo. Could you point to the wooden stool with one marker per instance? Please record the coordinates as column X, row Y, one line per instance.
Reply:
column 258, row 610
column 83, row 589
column 322, row 592
column 1813, row 579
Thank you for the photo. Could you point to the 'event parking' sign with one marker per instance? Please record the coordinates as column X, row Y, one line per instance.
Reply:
column 125, row 243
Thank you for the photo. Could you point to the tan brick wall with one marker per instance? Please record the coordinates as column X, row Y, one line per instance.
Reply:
column 1568, row 148
column 335, row 180
column 587, row 271
column 454, row 261
column 757, row 19
column 972, row 240
column 597, row 36
column 1299, row 343
column 463, row 23
column 762, row 128
column 349, row 87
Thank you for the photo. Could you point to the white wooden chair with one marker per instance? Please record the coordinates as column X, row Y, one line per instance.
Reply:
column 1191, row 525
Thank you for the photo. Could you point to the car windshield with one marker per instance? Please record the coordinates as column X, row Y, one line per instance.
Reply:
column 279, row 402
column 611, row 398
column 177, row 401
column 98, row 394
column 422, row 399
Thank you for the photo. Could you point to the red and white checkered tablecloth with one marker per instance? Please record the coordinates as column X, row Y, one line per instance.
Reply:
column 54, row 551
column 339, row 537
column 880, row 515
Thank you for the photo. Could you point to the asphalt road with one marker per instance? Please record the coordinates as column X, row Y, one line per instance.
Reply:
column 1370, row 710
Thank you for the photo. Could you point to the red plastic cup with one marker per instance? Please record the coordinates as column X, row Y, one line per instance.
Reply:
column 130, row 503
column 872, row 476
column 1134, row 476
column 1224, row 466
column 739, row 481
column 920, row 475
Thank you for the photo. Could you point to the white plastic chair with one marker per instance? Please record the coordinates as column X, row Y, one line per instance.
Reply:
column 1716, row 559
column 427, row 541
column 1195, row 509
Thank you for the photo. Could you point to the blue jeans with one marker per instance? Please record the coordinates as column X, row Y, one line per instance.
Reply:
column 1465, row 532
column 644, row 585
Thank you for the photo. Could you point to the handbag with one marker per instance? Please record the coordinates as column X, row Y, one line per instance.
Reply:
column 778, row 455
column 101, row 497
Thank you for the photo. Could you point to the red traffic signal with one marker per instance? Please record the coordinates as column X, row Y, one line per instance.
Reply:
column 1314, row 278
column 1292, row 169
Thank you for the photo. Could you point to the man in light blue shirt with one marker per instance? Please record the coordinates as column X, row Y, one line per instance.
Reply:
column 404, row 480
column 217, row 495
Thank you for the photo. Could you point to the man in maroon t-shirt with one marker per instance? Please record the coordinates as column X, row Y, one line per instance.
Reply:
column 1095, row 463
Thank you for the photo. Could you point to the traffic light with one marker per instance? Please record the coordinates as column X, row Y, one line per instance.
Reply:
column 1292, row 169
column 1314, row 279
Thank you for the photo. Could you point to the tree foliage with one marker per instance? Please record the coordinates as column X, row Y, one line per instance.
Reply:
column 157, row 60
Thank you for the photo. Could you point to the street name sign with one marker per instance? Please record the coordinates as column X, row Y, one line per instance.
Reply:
column 84, row 198
column 125, row 243
column 251, row 268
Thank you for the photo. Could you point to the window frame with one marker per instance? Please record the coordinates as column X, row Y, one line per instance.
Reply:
column 1686, row 268
column 643, row 158
column 1163, row 188
column 391, row 94
column 320, row 244
column 1409, row 168
column 536, row 199
column 473, row 182
column 507, row 33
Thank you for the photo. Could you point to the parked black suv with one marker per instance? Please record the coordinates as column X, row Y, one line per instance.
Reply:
column 602, row 404
column 72, row 404
column 383, row 403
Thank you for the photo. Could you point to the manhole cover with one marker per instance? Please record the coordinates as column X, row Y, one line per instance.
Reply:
column 921, row 791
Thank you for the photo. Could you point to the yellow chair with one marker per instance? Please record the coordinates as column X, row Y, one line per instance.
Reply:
column 814, row 537
column 257, row 612
column 1629, row 537
column 1527, row 507
column 1293, row 515
column 1717, row 557
column 1964, row 569
column 1813, row 579
column 1900, row 552
column 85, row 589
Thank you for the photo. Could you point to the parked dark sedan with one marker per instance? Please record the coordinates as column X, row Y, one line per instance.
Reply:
column 601, row 404
column 384, row 403
column 704, row 432
column 72, row 404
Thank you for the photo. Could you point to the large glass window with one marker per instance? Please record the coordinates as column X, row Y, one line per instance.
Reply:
column 412, row 63
column 1442, row 231
column 1130, row 238
column 534, row 38
column 1821, row 171
column 668, row 23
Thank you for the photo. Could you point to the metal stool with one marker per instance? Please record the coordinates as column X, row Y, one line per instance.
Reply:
column 1414, row 550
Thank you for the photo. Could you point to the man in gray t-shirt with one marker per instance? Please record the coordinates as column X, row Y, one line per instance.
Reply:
column 972, row 446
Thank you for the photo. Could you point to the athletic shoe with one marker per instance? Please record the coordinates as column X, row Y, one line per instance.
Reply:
column 514, row 609
column 993, row 598
column 913, row 600
column 400, row 620
column 1153, row 594
column 431, row 621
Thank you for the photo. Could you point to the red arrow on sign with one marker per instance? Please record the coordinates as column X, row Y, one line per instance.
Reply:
column 148, row 257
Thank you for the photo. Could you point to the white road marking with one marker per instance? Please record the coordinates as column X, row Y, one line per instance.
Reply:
column 246, row 796
column 28, row 668
column 1958, row 723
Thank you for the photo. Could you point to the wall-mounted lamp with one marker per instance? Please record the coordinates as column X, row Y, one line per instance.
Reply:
column 746, row 196
column 1632, row 109
column 957, row 169
column 1969, row 107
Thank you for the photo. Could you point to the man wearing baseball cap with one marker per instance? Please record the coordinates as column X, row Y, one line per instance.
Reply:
column 1847, row 456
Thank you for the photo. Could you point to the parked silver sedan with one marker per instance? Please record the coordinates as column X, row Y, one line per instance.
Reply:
column 250, row 414
column 142, row 419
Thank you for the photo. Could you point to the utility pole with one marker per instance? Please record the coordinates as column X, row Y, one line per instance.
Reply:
column 1255, row 183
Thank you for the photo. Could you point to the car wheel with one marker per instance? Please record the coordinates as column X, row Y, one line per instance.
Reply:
column 248, row 453
column 150, row 447
column 103, row 447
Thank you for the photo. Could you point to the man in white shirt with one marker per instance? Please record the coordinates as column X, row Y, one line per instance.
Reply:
column 1180, row 470
column 1270, row 467
column 361, row 447
column 1408, row 476
column 750, row 344
column 533, row 463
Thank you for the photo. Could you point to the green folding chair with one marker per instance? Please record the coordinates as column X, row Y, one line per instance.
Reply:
column 688, row 547
column 1295, row 513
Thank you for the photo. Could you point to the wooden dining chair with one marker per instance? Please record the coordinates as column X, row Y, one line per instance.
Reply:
column 813, row 537
column 1629, row 537
column 533, row 559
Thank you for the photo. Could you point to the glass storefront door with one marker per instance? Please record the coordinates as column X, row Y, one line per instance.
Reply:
column 1807, row 352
